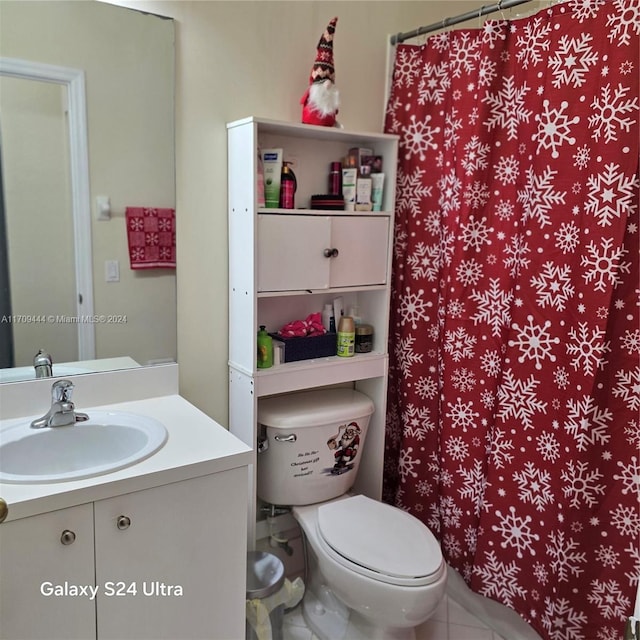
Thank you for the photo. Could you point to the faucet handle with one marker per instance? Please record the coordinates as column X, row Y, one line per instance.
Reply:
column 62, row 390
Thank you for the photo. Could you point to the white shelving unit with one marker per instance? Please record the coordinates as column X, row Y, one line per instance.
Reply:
column 278, row 273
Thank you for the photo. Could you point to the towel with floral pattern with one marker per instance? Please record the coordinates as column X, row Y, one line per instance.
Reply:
column 151, row 233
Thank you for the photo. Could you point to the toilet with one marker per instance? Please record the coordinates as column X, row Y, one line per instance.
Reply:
column 374, row 571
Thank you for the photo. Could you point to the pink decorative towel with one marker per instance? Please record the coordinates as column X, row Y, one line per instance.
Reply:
column 152, row 237
column 311, row 326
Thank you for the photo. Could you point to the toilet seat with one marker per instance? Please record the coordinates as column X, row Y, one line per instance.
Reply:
column 379, row 541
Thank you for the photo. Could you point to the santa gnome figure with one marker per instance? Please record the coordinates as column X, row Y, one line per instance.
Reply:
column 320, row 101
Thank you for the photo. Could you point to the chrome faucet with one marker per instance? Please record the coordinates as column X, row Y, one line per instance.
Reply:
column 43, row 364
column 62, row 412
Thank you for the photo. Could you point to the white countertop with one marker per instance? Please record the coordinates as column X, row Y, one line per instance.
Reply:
column 196, row 446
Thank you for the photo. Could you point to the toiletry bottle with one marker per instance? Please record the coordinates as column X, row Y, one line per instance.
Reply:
column 265, row 349
column 335, row 179
column 288, row 186
column 354, row 312
column 327, row 318
column 346, row 337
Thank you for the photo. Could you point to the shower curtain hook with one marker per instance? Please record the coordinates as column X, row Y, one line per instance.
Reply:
column 500, row 9
column 480, row 10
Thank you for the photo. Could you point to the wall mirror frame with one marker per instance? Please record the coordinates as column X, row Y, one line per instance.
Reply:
column 74, row 81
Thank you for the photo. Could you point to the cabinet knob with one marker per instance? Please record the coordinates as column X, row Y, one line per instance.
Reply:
column 4, row 509
column 123, row 522
column 68, row 537
column 331, row 253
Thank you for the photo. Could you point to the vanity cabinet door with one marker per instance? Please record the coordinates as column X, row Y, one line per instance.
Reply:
column 175, row 566
column 315, row 252
column 44, row 561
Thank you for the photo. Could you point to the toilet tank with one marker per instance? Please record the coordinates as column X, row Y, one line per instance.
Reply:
column 310, row 444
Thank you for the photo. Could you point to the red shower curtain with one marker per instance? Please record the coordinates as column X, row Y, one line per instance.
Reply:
column 512, row 427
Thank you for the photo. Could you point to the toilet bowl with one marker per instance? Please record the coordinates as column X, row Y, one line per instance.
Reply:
column 374, row 571
column 377, row 572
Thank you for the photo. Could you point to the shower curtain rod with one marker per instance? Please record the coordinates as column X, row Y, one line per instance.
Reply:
column 447, row 22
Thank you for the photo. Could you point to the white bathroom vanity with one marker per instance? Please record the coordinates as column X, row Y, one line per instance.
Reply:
column 153, row 550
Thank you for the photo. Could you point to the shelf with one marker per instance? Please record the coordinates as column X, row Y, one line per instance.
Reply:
column 322, row 212
column 334, row 290
column 293, row 376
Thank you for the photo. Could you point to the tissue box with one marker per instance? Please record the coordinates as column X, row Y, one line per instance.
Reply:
column 308, row 347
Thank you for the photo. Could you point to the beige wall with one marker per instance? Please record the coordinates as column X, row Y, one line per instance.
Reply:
column 128, row 59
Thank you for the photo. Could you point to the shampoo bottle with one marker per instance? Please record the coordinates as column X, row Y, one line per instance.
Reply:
column 288, row 185
column 265, row 349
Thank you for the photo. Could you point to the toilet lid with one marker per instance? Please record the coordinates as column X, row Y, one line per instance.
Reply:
column 379, row 537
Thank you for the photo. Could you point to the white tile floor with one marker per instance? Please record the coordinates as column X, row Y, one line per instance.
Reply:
column 450, row 622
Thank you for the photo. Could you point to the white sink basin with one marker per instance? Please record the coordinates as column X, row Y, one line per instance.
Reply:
column 108, row 441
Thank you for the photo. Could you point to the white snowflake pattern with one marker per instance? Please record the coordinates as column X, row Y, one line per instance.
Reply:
column 417, row 422
column 434, row 83
column 516, row 532
column 476, row 195
column 628, row 388
column 630, row 476
column 494, row 306
column 412, row 191
column 469, row 272
column 630, row 342
column 407, row 67
column 517, row 399
column 567, row 237
column 534, row 486
column 459, row 344
column 450, row 512
column 565, row 556
column 462, row 415
column 406, row 356
column 554, row 128
column 607, row 556
column 419, row 137
column 582, row 157
column 561, row 621
column 548, row 446
column 413, row 308
column 534, row 342
column 500, row 580
column 449, row 186
column 474, row 481
column 538, row 197
column 425, row 261
column 426, row 388
column 407, row 464
column 464, row 54
column 476, row 155
column 508, row 107
column 491, row 363
column 463, row 380
column 516, row 252
column 573, row 61
column 589, row 350
column 501, row 450
column 610, row 113
column 475, row 233
column 553, row 286
column 581, row 483
column 585, row 9
column 456, row 448
column 625, row 22
column 611, row 195
column 534, row 42
column 507, row 170
column 605, row 264
column 607, row 596
column 588, row 423
column 453, row 125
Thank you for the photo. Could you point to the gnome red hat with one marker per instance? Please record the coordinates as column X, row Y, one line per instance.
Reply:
column 323, row 66
column 320, row 101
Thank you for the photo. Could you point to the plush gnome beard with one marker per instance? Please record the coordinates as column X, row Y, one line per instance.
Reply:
column 321, row 100
column 324, row 98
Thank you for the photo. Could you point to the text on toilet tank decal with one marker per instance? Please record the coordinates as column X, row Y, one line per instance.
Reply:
column 302, row 466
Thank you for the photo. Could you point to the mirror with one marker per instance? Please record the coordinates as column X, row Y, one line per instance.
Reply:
column 55, row 269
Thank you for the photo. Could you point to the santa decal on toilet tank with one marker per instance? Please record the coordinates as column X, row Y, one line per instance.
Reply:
column 345, row 445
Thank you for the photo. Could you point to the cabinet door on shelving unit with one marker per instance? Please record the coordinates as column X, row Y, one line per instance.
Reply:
column 362, row 243
column 291, row 252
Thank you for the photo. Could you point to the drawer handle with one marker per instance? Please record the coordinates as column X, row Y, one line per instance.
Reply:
column 331, row 253
column 290, row 438
column 67, row 537
column 123, row 522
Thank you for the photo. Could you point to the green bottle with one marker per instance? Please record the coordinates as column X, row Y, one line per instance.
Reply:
column 265, row 349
